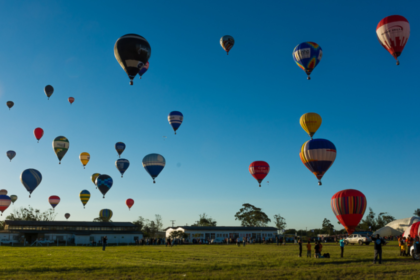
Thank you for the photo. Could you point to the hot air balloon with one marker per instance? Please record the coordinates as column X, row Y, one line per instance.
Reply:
column 307, row 56
column 4, row 203
column 31, row 178
column 3, row 192
column 318, row 155
column 10, row 104
column 144, row 69
column 154, row 164
column 258, row 170
column 11, row 154
column 122, row 165
column 132, row 52
column 175, row 119
column 120, row 147
column 129, row 203
column 54, row 200
column 84, row 197
column 13, row 198
column 310, row 122
column 104, row 183
column 49, row 91
column 393, row 33
column 227, row 43
column 71, row 100
column 349, row 207
column 84, row 158
column 38, row 132
column 105, row 214
column 67, row 216
column 93, row 178
column 60, row 145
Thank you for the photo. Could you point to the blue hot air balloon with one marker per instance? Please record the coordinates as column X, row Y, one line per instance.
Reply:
column 104, row 183
column 307, row 56
column 120, row 147
column 122, row 165
column 11, row 154
column 154, row 164
column 175, row 119
column 30, row 179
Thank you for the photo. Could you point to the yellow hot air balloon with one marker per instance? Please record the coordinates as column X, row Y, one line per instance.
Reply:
column 310, row 122
column 84, row 158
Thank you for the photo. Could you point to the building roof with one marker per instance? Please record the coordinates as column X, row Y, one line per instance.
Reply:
column 224, row 228
column 67, row 223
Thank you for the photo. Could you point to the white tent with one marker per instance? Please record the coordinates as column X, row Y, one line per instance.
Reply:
column 397, row 227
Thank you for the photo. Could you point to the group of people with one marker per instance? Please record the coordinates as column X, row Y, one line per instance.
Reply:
column 405, row 244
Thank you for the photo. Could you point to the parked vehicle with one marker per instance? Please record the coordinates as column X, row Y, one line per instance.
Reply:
column 217, row 241
column 358, row 239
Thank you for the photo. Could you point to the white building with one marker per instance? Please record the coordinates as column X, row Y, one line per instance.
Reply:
column 78, row 233
column 194, row 232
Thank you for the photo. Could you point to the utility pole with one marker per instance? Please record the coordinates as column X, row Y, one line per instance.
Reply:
column 172, row 221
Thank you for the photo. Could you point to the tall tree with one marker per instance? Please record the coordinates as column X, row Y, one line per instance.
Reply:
column 251, row 216
column 31, row 214
column 417, row 212
column 205, row 221
column 327, row 226
column 280, row 222
column 140, row 222
column 369, row 221
column 383, row 219
column 158, row 222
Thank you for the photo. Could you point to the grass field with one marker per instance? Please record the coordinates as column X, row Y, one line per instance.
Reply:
column 202, row 262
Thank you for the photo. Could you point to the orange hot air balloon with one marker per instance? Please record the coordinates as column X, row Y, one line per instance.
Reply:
column 129, row 203
column 71, row 100
column 349, row 207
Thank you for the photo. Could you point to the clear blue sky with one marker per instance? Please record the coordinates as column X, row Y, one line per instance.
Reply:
column 237, row 108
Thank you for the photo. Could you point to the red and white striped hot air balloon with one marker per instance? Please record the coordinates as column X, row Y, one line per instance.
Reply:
column 54, row 200
column 5, row 202
column 393, row 33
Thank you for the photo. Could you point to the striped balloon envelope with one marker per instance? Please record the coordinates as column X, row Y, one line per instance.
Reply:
column 3, row 192
column 154, row 164
column 393, row 33
column 258, row 170
column 54, row 200
column 120, row 147
column 11, row 154
column 349, row 206
column 84, row 158
column 4, row 202
column 310, row 122
column 60, row 145
column 129, row 202
column 31, row 178
column 84, row 197
column 318, row 155
column 104, row 183
column 122, row 165
column 307, row 56
column 175, row 119
column 13, row 198
column 67, row 216
column 105, row 214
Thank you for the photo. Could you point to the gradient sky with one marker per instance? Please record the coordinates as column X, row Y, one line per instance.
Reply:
column 237, row 108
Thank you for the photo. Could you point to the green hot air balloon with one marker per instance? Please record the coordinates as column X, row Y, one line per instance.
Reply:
column 105, row 214
column 13, row 198
column 60, row 145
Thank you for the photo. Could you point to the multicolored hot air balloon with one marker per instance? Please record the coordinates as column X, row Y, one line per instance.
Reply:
column 93, row 178
column 10, row 104
column 4, row 203
column 132, row 52
column 307, row 56
column 84, row 158
column 318, row 155
column 67, row 216
column 258, row 170
column 54, row 200
column 3, row 192
column 48, row 91
column 310, row 122
column 71, row 100
column 60, row 145
column 144, row 69
column 122, row 165
column 84, row 197
column 129, row 202
column 13, row 198
column 31, row 178
column 154, row 164
column 104, row 183
column 120, row 147
column 393, row 33
column 105, row 214
column 38, row 132
column 349, row 207
column 175, row 119
column 227, row 43
column 11, row 154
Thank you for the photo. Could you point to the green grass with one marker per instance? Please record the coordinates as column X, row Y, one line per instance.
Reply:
column 202, row 262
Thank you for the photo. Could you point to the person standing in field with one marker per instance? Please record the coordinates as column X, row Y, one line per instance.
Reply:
column 409, row 244
column 316, row 249
column 104, row 240
column 308, row 249
column 342, row 243
column 320, row 248
column 378, row 248
column 300, row 247
column 244, row 241
column 402, row 246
